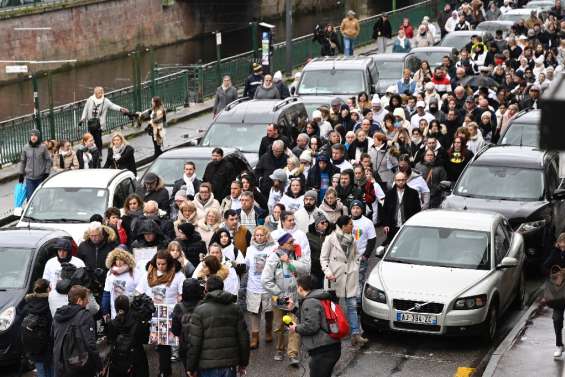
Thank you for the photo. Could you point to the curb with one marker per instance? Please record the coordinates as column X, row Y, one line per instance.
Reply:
column 512, row 336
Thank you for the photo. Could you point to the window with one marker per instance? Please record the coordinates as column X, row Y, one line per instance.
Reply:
column 501, row 244
column 123, row 189
column 552, row 178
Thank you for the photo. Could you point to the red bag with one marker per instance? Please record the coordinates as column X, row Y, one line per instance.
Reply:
column 336, row 318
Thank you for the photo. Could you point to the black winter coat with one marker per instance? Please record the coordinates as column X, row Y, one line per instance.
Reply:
column 315, row 240
column 382, row 28
column 161, row 196
column 267, row 142
column 193, row 247
column 314, row 180
column 180, row 182
column 410, row 203
column 94, row 256
column 149, row 226
column 267, row 164
column 126, row 161
column 94, row 163
column 218, row 334
column 38, row 304
column 78, row 316
column 140, row 333
column 220, row 174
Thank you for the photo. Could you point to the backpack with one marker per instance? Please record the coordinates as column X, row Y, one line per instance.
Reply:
column 122, row 354
column 338, row 327
column 74, row 352
column 35, row 334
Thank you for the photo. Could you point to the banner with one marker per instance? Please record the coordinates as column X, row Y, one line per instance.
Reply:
column 161, row 325
column 143, row 255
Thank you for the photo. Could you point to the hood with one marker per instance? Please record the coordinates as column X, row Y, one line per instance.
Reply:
column 192, row 291
column 66, row 313
column 509, row 208
column 109, row 234
column 427, row 282
column 220, row 297
column 319, row 294
column 37, row 303
column 120, row 254
column 150, row 226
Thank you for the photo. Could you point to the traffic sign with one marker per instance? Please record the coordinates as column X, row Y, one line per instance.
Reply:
column 16, row 69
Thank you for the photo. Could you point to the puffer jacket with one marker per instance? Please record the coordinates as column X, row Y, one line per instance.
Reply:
column 201, row 208
column 344, row 267
column 35, row 161
column 218, row 334
column 38, row 304
column 313, row 327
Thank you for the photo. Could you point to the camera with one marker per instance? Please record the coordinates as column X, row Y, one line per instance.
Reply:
column 282, row 300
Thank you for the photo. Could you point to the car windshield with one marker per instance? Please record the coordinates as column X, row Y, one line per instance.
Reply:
column 245, row 137
column 332, row 81
column 525, row 134
column 171, row 169
column 14, row 266
column 66, row 204
column 454, row 40
column 434, row 58
column 389, row 69
column 501, row 182
column 453, row 248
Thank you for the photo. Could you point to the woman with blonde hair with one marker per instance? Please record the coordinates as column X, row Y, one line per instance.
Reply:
column 216, row 264
column 157, row 116
column 209, row 224
column 187, row 214
column 176, row 251
column 120, row 154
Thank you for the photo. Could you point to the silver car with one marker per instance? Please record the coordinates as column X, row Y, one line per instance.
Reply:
column 446, row 273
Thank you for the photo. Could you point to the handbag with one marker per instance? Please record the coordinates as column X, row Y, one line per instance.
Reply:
column 554, row 288
column 19, row 195
column 94, row 122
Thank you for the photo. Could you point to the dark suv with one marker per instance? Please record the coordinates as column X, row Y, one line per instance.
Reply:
column 522, row 130
column 23, row 254
column 523, row 184
column 243, row 123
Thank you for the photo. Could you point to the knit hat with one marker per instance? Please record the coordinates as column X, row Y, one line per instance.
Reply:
column 257, row 68
column 357, row 203
column 192, row 290
column 323, row 157
column 306, row 156
column 279, row 175
column 311, row 194
column 319, row 217
column 187, row 229
column 284, row 238
column 316, row 114
column 150, row 178
column 277, row 76
column 35, row 132
column 180, row 194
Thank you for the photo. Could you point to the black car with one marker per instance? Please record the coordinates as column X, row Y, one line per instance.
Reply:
column 523, row 184
column 23, row 254
column 523, row 129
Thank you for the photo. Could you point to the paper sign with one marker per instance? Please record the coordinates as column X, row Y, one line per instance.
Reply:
column 143, row 255
column 161, row 325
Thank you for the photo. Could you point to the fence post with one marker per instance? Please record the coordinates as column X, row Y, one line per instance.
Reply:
column 36, row 109
column 153, row 88
column 254, row 45
column 50, row 99
column 200, row 83
column 218, row 56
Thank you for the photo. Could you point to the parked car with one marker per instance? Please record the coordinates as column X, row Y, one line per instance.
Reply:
column 446, row 273
column 544, row 5
column 68, row 199
column 493, row 26
column 23, row 254
column 340, row 76
column 523, row 130
column 523, row 184
column 169, row 166
column 312, row 103
column 516, row 15
column 243, row 123
column 434, row 56
column 462, row 38
column 390, row 67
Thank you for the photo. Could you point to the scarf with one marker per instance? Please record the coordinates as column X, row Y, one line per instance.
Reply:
column 189, row 181
column 345, row 240
column 401, row 41
column 98, row 101
column 117, row 151
column 155, row 277
column 119, row 270
column 261, row 247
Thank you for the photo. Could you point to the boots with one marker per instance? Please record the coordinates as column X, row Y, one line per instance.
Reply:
column 254, row 344
column 358, row 341
column 268, row 327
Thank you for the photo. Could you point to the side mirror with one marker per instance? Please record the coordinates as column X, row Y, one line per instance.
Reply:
column 507, row 262
column 445, row 185
column 380, row 251
column 558, row 194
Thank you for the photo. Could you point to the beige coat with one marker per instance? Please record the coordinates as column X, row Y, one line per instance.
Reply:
column 350, row 28
column 70, row 162
column 345, row 269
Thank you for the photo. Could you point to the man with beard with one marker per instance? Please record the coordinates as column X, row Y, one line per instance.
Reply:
column 346, row 190
column 401, row 203
column 365, row 239
column 317, row 232
column 441, row 81
column 219, row 172
column 306, row 215
column 273, row 133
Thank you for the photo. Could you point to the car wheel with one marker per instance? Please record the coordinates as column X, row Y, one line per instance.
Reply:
column 490, row 325
column 520, row 298
column 368, row 326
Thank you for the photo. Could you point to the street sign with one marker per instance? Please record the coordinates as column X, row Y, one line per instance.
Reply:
column 16, row 69
column 218, row 38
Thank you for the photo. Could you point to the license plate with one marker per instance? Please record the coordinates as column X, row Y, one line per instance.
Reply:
column 424, row 319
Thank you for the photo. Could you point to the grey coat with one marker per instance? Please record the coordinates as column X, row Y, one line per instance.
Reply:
column 276, row 277
column 344, row 267
column 87, row 112
column 224, row 97
column 36, row 161
column 313, row 328
column 263, row 93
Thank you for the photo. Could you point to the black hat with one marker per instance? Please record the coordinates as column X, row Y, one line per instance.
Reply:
column 192, row 290
column 62, row 244
column 150, row 178
column 187, row 229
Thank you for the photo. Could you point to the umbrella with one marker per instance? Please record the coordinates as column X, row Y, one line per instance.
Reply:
column 478, row 81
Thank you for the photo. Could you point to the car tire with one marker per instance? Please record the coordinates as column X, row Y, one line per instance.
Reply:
column 368, row 326
column 520, row 298
column 490, row 325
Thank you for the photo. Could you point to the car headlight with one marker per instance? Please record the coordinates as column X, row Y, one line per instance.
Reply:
column 471, row 302
column 7, row 318
column 375, row 294
column 531, row 226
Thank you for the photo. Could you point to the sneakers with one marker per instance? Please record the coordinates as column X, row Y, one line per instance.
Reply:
column 358, row 341
column 279, row 356
column 294, row 362
column 558, row 352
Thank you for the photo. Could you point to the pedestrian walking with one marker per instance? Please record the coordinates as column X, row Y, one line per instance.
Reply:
column 220, row 173
column 267, row 90
column 225, row 94
column 122, row 278
column 157, row 116
column 65, row 158
column 120, row 154
column 53, row 267
column 154, row 189
column 189, row 180
column 99, row 241
column 349, row 30
column 74, row 337
column 88, row 155
column 556, row 259
column 35, row 163
column 328, row 40
column 95, row 112
column 382, row 32
column 314, row 329
column 279, row 83
column 401, row 203
column 317, row 233
column 253, row 81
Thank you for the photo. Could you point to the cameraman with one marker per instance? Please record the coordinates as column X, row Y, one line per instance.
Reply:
column 328, row 40
column 279, row 279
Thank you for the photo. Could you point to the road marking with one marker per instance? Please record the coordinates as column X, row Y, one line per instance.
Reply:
column 464, row 372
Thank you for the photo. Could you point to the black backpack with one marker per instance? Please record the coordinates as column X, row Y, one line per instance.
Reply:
column 35, row 334
column 122, row 354
column 74, row 352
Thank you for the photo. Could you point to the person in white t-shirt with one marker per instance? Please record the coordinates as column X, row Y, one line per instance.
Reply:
column 52, row 271
column 365, row 239
column 122, row 279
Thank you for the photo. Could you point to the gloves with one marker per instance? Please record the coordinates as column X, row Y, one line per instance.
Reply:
column 21, row 178
column 45, row 176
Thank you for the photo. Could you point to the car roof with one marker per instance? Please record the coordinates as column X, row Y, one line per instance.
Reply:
column 254, row 111
column 467, row 32
column 431, row 49
column 512, row 156
column 339, row 62
column 96, row 178
column 28, row 238
column 531, row 116
column 454, row 219
column 519, row 11
column 193, row 152
column 505, row 23
column 393, row 56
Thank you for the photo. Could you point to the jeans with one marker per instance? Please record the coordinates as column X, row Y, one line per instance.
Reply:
column 31, row 185
column 44, row 370
column 347, row 46
column 558, row 325
column 363, row 267
column 218, row 372
column 351, row 312
column 323, row 360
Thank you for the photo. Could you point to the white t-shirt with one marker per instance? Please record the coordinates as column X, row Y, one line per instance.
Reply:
column 255, row 261
column 52, row 271
column 363, row 231
column 165, row 294
column 123, row 284
column 292, row 204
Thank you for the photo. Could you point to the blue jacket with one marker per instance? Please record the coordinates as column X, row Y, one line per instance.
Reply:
column 403, row 87
column 397, row 48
